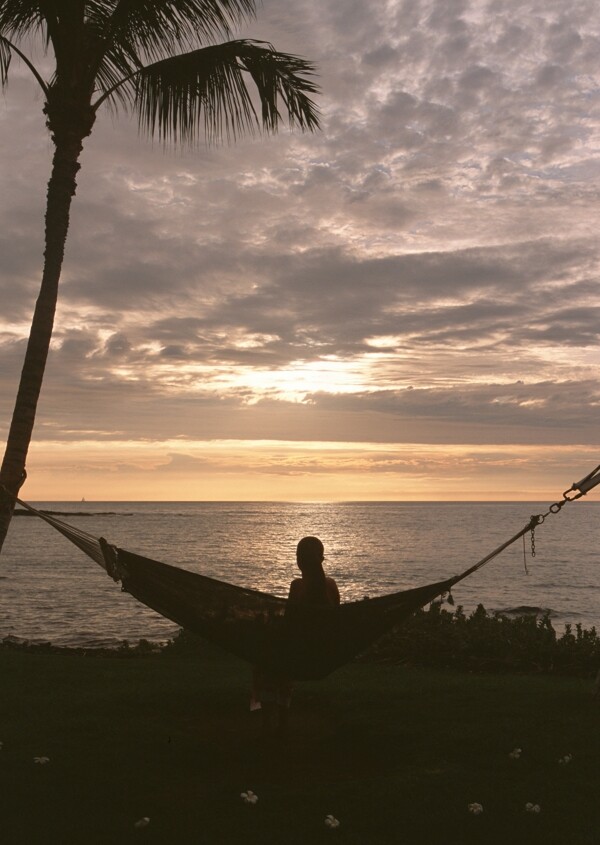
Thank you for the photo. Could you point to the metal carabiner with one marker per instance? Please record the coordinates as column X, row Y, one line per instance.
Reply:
column 585, row 485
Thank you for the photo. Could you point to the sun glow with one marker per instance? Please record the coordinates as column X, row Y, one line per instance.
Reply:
column 291, row 383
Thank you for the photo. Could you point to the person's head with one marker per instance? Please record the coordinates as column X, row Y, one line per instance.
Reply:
column 309, row 555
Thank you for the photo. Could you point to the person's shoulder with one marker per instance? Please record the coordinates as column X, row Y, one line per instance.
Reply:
column 331, row 581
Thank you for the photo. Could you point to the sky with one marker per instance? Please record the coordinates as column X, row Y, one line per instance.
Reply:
column 402, row 306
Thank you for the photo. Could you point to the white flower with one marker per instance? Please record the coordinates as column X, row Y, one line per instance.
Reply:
column 143, row 822
column 476, row 809
column 515, row 754
column 331, row 821
column 532, row 808
column 41, row 760
column 566, row 759
column 249, row 797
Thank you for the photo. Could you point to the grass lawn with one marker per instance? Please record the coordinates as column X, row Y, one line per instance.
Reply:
column 395, row 754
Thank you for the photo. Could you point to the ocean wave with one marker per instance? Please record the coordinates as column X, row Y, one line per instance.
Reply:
column 527, row 610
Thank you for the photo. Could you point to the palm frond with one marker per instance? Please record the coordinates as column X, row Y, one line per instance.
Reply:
column 156, row 30
column 7, row 49
column 5, row 57
column 19, row 18
column 208, row 88
column 109, row 80
column 118, row 64
column 55, row 21
column 286, row 77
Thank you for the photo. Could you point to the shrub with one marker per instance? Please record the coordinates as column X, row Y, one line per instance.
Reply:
column 438, row 637
column 184, row 642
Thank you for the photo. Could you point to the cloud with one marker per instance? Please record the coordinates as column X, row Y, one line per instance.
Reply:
column 438, row 234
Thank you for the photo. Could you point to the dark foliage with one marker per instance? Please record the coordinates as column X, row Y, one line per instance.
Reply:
column 184, row 643
column 489, row 641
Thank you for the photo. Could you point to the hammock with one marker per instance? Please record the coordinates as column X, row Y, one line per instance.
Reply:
column 300, row 641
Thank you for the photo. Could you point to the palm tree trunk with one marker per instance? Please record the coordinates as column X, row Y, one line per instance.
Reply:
column 61, row 189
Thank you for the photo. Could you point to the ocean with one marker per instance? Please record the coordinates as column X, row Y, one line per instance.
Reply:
column 51, row 592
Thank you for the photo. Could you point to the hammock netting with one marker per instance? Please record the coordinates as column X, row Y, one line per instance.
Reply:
column 300, row 641
column 297, row 640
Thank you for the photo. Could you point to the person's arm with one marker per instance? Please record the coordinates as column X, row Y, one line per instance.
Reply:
column 294, row 594
column 332, row 589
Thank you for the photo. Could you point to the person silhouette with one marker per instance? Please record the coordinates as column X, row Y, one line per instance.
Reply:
column 272, row 691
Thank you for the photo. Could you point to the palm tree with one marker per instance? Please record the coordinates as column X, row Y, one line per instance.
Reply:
column 164, row 60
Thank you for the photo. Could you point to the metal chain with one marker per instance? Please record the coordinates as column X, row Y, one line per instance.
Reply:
column 532, row 540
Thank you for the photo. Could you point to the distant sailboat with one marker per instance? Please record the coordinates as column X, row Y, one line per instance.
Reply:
column 83, row 498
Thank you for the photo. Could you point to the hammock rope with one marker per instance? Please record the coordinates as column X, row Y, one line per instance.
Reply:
column 88, row 543
column 300, row 641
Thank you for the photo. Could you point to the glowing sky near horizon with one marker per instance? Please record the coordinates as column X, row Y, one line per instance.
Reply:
column 404, row 305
